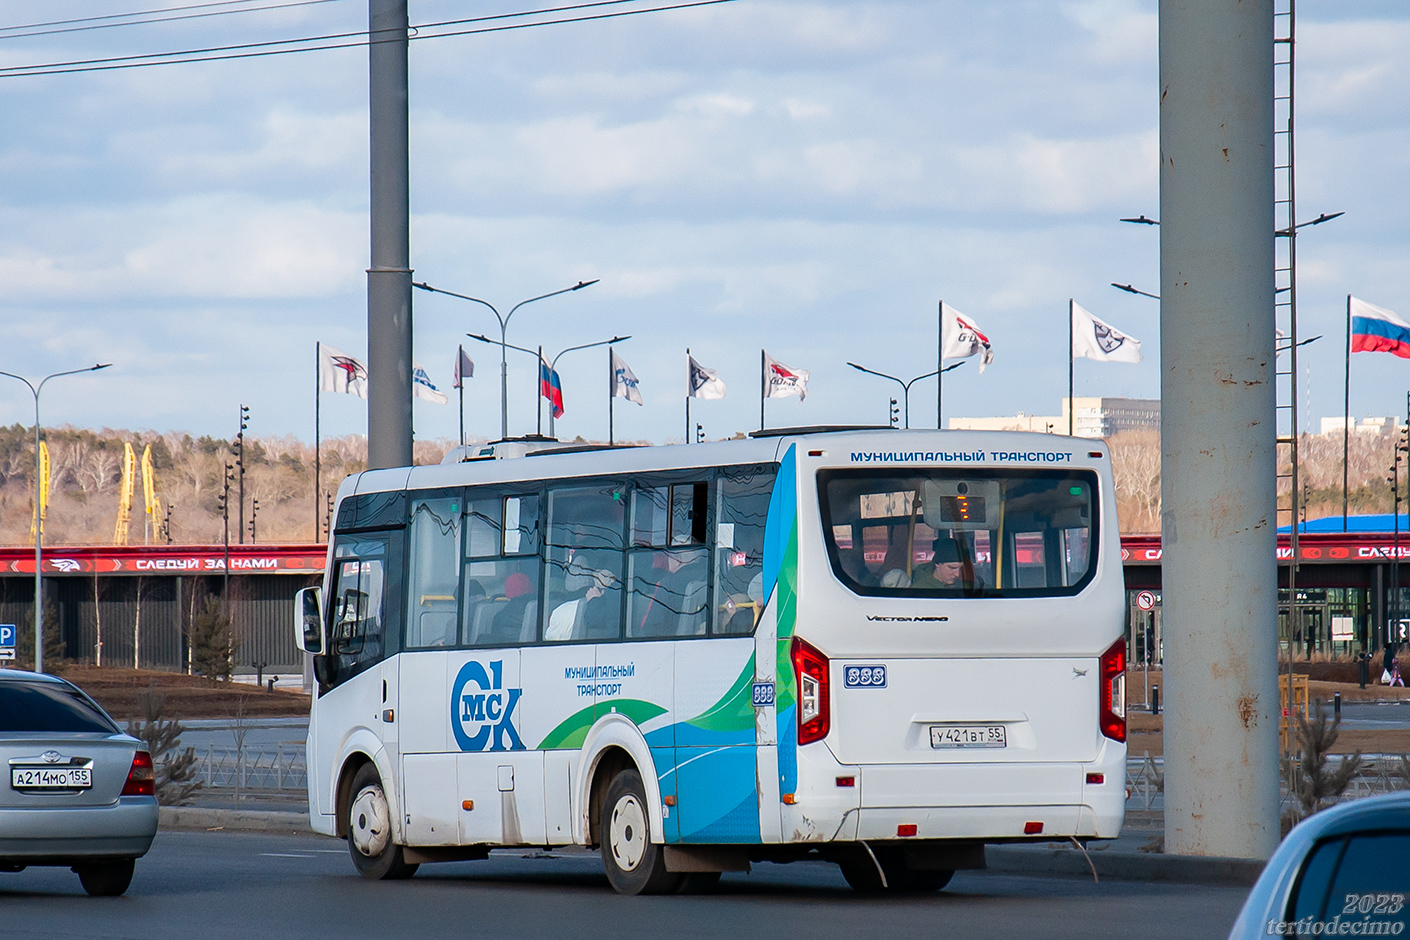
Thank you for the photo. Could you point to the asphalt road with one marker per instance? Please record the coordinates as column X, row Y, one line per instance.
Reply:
column 240, row 885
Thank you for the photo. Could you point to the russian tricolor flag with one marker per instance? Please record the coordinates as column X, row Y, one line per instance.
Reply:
column 1375, row 329
column 551, row 388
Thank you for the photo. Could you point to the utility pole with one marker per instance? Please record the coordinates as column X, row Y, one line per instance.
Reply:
column 240, row 463
column 389, row 277
column 1219, row 427
column 225, row 518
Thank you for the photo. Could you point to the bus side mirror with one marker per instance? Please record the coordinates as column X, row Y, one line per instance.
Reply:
column 308, row 620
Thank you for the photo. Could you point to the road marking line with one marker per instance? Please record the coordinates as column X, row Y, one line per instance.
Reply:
column 282, row 855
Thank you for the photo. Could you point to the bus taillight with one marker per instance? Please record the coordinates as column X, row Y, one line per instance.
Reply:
column 1113, row 691
column 814, row 712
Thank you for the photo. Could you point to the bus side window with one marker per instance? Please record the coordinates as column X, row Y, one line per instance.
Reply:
column 433, row 572
column 668, row 565
column 501, row 587
column 742, row 510
column 583, row 596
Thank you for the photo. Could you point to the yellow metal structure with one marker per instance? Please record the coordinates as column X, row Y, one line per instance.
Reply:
column 150, row 503
column 129, row 480
column 1300, row 705
column 44, row 482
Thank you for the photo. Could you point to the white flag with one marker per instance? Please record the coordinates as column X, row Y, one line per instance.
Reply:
column 624, row 383
column 339, row 372
column 1101, row 341
column 784, row 382
column 702, row 382
column 464, row 368
column 963, row 337
column 423, row 387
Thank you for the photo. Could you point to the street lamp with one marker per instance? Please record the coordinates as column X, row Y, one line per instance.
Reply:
column 503, row 345
column 38, row 519
column 1131, row 290
column 553, row 364
column 905, row 386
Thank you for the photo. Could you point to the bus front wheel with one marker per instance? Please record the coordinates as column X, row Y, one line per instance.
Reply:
column 370, row 843
column 634, row 864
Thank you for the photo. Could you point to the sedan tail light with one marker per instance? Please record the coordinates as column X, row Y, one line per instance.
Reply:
column 814, row 710
column 1113, row 692
column 142, row 778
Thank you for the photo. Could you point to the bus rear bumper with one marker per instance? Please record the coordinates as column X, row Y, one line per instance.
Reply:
column 991, row 801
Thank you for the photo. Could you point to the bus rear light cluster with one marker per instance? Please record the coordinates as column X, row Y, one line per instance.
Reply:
column 814, row 709
column 142, row 778
column 1113, row 692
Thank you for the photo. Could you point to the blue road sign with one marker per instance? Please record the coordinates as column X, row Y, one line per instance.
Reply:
column 7, row 641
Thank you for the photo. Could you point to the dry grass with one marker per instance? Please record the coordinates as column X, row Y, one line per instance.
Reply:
column 187, row 697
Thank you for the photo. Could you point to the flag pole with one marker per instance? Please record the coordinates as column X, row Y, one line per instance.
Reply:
column 538, row 402
column 460, row 381
column 317, row 429
column 1346, row 416
column 611, row 399
column 687, row 395
column 1069, row 367
column 761, row 393
column 940, row 366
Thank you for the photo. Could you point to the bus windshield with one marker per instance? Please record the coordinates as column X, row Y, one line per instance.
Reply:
column 960, row 532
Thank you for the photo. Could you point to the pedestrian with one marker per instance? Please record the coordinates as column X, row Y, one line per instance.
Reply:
column 1395, row 678
column 1387, row 660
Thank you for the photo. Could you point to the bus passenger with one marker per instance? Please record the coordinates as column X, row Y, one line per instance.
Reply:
column 946, row 568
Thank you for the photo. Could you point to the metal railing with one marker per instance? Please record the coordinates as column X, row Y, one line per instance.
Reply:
column 1380, row 773
column 278, row 768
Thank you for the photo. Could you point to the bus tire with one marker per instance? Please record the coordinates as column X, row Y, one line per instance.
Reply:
column 634, row 864
column 861, row 873
column 374, row 854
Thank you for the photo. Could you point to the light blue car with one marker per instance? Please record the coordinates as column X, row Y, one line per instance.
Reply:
column 78, row 792
column 1343, row 872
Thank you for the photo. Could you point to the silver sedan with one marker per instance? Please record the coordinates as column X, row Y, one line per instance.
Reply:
column 1343, row 872
column 79, row 792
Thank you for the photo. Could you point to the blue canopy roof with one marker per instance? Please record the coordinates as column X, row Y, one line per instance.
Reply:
column 1381, row 522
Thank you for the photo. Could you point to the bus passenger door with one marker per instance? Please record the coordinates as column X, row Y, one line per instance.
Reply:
column 499, row 781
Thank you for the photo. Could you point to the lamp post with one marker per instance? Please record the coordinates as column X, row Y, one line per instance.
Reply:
column 906, row 386
column 503, row 330
column 553, row 363
column 38, row 518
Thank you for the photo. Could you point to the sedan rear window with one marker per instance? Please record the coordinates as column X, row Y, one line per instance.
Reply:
column 48, row 706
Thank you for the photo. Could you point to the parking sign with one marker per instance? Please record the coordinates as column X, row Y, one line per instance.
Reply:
column 7, row 641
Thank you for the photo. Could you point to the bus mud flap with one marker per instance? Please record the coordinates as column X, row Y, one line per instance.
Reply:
column 686, row 858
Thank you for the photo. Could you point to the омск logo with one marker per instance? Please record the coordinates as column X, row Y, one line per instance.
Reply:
column 479, row 705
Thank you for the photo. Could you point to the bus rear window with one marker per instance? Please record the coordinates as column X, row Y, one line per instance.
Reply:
column 960, row 533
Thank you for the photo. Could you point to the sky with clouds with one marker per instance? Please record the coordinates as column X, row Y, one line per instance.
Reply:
column 805, row 176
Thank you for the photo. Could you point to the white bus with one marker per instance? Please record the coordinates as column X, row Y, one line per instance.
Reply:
column 879, row 648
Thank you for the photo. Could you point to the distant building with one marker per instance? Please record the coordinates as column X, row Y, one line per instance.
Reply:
column 1092, row 417
column 1368, row 425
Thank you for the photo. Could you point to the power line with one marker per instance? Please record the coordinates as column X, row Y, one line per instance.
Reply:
column 118, row 16
column 6, row 31
column 208, row 54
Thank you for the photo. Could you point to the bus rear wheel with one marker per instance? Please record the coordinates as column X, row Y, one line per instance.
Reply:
column 860, row 870
column 374, row 854
column 634, row 864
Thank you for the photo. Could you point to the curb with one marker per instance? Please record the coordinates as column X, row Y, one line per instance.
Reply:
column 1126, row 866
column 195, row 817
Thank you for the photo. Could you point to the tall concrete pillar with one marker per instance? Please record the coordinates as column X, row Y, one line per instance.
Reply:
column 389, row 277
column 1218, row 516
